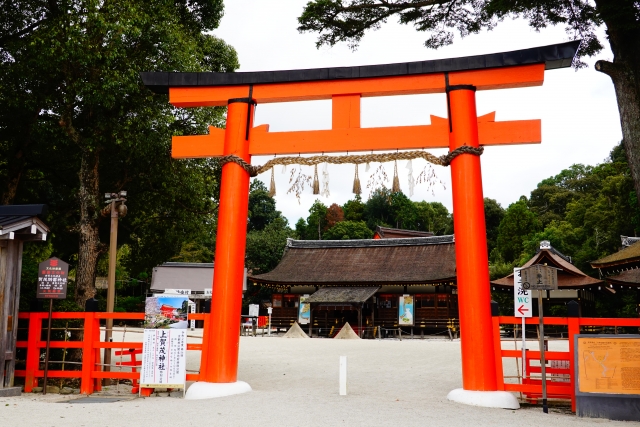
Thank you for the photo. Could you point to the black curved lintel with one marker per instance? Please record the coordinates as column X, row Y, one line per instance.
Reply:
column 553, row 56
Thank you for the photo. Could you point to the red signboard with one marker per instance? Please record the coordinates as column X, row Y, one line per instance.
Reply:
column 52, row 279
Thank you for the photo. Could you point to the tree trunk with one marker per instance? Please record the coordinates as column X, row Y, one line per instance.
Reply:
column 90, row 247
column 624, row 37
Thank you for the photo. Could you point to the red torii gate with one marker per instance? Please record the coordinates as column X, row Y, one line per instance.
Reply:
column 458, row 77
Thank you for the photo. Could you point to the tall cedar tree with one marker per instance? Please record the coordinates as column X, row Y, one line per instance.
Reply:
column 347, row 21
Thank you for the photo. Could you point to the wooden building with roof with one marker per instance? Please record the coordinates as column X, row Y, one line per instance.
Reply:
column 573, row 284
column 622, row 269
column 362, row 281
column 18, row 224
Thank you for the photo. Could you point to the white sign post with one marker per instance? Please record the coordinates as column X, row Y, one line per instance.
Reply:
column 164, row 359
column 522, row 307
column 192, row 309
column 269, row 311
column 343, row 376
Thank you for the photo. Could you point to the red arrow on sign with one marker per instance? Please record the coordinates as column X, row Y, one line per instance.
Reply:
column 522, row 310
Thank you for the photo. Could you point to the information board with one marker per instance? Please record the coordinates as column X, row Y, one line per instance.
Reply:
column 539, row 277
column 609, row 365
column 164, row 358
column 52, row 279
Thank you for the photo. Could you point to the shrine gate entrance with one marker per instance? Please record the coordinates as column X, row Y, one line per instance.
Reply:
column 459, row 78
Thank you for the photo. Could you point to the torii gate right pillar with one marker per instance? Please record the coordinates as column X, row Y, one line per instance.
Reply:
column 474, row 298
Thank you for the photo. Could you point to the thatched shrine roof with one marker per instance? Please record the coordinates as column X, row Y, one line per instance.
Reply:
column 626, row 256
column 569, row 276
column 419, row 260
column 626, row 278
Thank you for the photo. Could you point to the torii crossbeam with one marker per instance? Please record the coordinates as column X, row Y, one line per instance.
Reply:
column 458, row 77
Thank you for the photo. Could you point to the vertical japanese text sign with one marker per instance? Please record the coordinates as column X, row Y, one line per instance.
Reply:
column 521, row 297
column 164, row 356
column 52, row 279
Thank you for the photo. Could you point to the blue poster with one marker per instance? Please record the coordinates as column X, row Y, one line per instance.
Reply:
column 405, row 310
column 304, row 310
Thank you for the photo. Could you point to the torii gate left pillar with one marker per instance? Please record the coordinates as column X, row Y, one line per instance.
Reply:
column 459, row 78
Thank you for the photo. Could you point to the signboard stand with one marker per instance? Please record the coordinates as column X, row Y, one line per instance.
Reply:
column 46, row 353
column 540, row 277
column 543, row 362
column 52, row 284
column 522, row 307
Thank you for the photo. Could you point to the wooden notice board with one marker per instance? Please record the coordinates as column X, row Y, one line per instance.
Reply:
column 608, row 364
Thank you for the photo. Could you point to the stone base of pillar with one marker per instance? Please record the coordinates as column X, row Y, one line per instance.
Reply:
column 10, row 391
column 488, row 399
column 204, row 390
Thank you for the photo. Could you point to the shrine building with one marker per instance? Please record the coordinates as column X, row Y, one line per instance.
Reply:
column 364, row 282
column 573, row 284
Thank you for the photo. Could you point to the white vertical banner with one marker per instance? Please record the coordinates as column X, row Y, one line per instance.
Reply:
column 164, row 358
column 192, row 309
column 522, row 305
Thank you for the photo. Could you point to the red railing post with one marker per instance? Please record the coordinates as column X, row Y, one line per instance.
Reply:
column 88, row 358
column 574, row 329
column 33, row 352
column 97, row 382
column 497, row 345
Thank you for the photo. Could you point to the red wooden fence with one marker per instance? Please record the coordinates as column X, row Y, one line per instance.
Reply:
column 557, row 389
column 91, row 345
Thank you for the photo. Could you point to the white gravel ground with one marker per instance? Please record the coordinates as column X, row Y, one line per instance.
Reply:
column 295, row 383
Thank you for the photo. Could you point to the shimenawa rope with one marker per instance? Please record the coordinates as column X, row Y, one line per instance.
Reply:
column 353, row 159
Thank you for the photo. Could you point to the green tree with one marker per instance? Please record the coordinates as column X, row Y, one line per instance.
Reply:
column 338, row 21
column 347, row 230
column 264, row 250
column 262, row 207
column 403, row 211
column 72, row 70
column 377, row 210
column 354, row 209
column 493, row 214
column 301, row 229
column 517, row 226
column 316, row 221
column 433, row 217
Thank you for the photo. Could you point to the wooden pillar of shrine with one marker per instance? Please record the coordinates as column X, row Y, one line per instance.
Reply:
column 220, row 363
column 474, row 297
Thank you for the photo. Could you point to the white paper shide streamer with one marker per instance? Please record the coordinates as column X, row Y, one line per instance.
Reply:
column 412, row 182
column 325, row 181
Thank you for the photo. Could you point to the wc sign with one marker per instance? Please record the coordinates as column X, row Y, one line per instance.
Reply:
column 521, row 296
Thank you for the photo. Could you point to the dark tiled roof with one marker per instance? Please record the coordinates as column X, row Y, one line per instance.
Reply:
column 553, row 56
column 420, row 260
column 570, row 277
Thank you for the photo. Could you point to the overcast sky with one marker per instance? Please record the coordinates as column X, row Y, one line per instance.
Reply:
column 580, row 121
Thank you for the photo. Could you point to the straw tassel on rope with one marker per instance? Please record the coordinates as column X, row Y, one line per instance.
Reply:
column 357, row 189
column 316, row 182
column 272, row 186
column 395, row 188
